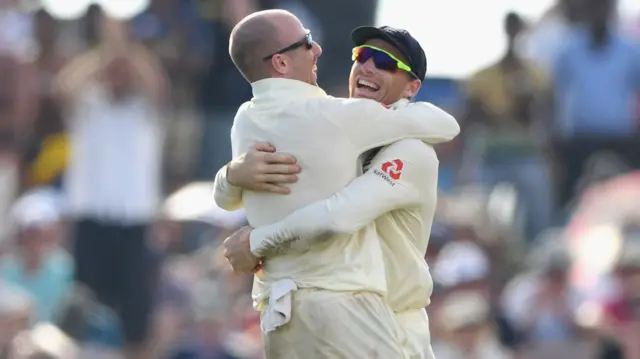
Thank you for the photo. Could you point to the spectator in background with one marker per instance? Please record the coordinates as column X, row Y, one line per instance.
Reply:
column 93, row 326
column 462, row 265
column 597, row 81
column 16, row 315
column 466, row 319
column 15, row 30
column 550, row 312
column 335, row 19
column 622, row 313
column 90, row 27
column 115, row 93
column 37, row 263
column 222, row 89
column 546, row 39
column 504, row 103
column 15, row 110
column 45, row 341
column 48, row 147
column 174, row 31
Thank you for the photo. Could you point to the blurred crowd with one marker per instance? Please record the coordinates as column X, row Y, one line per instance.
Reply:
column 535, row 250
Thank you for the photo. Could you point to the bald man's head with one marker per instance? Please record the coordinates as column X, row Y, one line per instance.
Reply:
column 253, row 38
column 274, row 44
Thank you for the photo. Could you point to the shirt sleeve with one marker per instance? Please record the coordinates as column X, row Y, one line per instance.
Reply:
column 369, row 124
column 401, row 176
column 226, row 195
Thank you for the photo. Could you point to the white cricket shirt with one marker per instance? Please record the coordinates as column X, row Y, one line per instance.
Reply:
column 399, row 192
column 327, row 136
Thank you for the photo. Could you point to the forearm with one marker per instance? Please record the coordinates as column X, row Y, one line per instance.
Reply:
column 300, row 229
column 226, row 195
column 78, row 73
column 419, row 120
column 150, row 74
column 360, row 203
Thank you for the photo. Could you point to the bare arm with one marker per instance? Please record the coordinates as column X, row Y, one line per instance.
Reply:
column 76, row 75
column 150, row 74
column 402, row 176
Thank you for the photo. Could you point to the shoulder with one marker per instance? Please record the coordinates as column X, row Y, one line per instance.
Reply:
column 428, row 109
column 480, row 79
column 412, row 151
column 347, row 104
column 573, row 46
column 484, row 73
column 241, row 114
column 539, row 75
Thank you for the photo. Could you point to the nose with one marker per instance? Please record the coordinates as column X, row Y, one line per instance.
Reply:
column 368, row 66
column 317, row 49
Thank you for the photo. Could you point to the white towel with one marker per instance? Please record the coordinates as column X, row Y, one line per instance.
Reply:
column 278, row 312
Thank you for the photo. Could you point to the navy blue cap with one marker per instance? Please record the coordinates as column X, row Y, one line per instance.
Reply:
column 401, row 39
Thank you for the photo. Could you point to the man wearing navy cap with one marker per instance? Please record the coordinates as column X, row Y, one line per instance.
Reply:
column 398, row 189
column 397, row 69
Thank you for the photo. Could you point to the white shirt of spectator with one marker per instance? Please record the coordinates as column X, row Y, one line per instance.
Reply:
column 460, row 263
column 114, row 173
column 545, row 39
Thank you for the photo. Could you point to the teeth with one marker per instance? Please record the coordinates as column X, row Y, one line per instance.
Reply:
column 315, row 67
column 367, row 84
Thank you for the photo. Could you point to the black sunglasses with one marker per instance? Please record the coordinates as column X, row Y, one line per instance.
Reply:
column 306, row 41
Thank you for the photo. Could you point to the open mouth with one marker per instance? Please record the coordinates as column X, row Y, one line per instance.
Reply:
column 367, row 85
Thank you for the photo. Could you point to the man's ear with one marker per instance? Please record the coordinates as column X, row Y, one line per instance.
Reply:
column 411, row 89
column 280, row 63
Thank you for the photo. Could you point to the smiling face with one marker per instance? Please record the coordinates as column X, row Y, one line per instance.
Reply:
column 367, row 81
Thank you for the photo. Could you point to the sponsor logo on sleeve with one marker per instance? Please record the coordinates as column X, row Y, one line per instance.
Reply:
column 390, row 171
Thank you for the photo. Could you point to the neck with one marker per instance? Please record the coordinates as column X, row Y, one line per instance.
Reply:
column 283, row 87
column 401, row 101
column 510, row 60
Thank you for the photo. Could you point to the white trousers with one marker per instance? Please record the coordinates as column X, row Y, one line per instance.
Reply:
column 337, row 325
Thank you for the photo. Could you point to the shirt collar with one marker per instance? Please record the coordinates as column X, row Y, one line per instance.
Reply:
column 401, row 102
column 278, row 87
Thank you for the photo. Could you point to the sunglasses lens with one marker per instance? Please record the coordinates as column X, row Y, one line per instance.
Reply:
column 380, row 59
column 361, row 54
column 384, row 61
